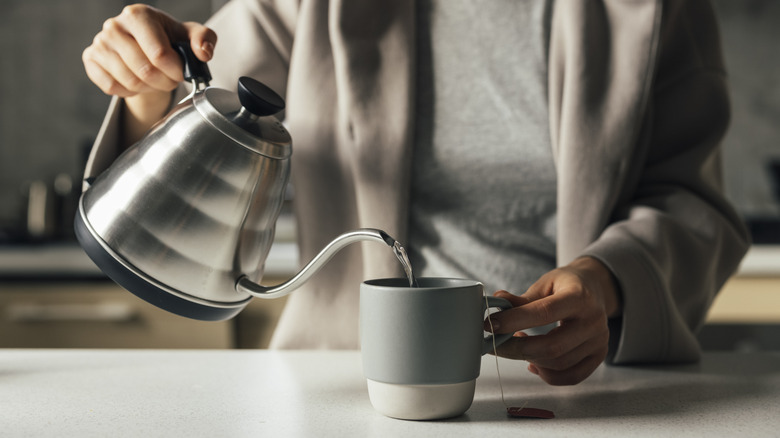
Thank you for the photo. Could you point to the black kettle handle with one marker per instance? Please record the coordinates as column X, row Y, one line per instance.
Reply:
column 195, row 70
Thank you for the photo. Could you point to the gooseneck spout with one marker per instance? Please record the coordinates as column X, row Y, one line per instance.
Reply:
column 245, row 285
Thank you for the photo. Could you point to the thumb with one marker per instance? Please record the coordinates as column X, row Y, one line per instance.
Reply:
column 202, row 40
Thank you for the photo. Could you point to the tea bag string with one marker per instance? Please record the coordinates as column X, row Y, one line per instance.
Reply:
column 495, row 356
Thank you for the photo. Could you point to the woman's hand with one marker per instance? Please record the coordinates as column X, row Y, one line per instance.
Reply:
column 132, row 54
column 132, row 57
column 581, row 297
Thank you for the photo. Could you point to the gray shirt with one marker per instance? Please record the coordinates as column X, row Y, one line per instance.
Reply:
column 483, row 196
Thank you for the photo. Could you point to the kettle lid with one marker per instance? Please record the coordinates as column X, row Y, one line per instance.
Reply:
column 247, row 117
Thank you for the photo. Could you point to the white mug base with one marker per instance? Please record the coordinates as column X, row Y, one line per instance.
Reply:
column 421, row 402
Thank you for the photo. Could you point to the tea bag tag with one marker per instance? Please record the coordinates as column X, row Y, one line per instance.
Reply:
column 522, row 412
column 513, row 411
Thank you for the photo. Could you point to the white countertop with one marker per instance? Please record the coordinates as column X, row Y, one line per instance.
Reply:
column 236, row 393
column 761, row 260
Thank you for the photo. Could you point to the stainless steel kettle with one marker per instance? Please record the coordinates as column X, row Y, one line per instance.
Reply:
column 185, row 218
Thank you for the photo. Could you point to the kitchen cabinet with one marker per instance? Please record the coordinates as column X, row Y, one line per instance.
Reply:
column 255, row 324
column 752, row 296
column 54, row 297
column 745, row 315
column 97, row 314
column 100, row 314
column 747, row 300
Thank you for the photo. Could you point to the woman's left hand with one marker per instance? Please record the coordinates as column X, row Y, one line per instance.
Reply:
column 581, row 296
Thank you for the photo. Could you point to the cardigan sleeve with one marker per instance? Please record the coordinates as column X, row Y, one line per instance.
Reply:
column 674, row 239
column 106, row 147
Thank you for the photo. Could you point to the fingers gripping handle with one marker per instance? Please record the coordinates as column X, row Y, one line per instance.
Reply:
column 195, row 70
column 488, row 343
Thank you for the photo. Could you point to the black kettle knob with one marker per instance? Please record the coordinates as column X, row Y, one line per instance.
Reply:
column 194, row 68
column 258, row 98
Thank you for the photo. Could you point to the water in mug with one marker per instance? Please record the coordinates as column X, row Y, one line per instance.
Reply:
column 400, row 253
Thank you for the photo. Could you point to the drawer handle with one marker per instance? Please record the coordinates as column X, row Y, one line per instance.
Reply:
column 100, row 312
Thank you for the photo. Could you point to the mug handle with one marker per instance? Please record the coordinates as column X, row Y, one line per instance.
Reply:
column 487, row 343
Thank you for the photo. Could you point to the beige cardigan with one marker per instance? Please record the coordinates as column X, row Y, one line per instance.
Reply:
column 638, row 104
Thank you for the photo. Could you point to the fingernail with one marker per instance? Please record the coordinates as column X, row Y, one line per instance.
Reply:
column 208, row 48
column 492, row 325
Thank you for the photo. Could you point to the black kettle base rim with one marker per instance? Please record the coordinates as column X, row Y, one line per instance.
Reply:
column 142, row 287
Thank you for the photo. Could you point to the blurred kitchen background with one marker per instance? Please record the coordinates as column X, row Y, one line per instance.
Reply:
column 52, row 296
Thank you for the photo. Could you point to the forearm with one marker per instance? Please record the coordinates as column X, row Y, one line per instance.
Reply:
column 140, row 113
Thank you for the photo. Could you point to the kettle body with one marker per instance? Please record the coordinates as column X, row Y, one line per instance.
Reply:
column 191, row 207
column 185, row 218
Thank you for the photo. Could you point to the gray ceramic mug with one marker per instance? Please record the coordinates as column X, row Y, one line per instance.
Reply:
column 421, row 346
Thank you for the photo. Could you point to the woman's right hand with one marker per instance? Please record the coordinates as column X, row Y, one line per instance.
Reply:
column 132, row 57
column 132, row 54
